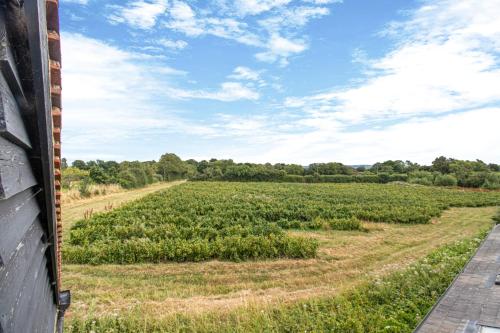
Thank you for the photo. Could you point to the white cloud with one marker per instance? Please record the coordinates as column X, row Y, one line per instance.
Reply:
column 280, row 49
column 254, row 7
column 173, row 44
column 228, row 92
column 293, row 17
column 281, row 44
column 245, row 73
column 185, row 20
column 139, row 14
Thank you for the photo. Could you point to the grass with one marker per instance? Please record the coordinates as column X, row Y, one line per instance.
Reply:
column 191, row 293
column 393, row 304
column 73, row 195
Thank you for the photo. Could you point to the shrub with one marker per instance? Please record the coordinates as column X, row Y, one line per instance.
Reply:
column 445, row 180
column 492, row 182
column 293, row 179
column 384, row 178
column 84, row 188
column 472, row 179
column 496, row 218
column 421, row 178
column 421, row 181
column 72, row 175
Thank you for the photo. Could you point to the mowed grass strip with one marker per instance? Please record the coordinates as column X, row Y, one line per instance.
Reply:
column 345, row 260
column 243, row 221
column 393, row 303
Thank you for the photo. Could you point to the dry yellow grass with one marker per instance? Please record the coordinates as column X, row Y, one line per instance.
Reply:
column 73, row 195
column 346, row 259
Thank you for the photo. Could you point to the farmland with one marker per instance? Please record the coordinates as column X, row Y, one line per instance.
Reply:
column 398, row 247
column 244, row 221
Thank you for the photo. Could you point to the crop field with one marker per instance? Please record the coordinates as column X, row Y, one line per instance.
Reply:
column 243, row 221
column 352, row 272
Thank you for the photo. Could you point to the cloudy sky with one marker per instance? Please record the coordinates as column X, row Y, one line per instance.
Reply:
column 355, row 81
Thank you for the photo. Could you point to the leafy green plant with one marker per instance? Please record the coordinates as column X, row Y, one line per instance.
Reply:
column 445, row 180
column 84, row 188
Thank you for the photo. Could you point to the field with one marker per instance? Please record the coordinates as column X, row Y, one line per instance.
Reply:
column 241, row 221
column 74, row 209
column 351, row 270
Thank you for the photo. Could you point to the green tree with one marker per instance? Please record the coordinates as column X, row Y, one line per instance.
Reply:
column 442, row 164
column 294, row 169
column 79, row 164
column 71, row 175
column 171, row 167
column 99, row 176
column 494, row 167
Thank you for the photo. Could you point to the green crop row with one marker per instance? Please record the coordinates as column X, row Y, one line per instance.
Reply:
column 235, row 248
column 241, row 221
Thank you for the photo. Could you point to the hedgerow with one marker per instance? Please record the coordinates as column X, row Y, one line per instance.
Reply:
column 243, row 221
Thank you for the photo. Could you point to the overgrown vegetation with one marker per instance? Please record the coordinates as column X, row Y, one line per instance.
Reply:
column 241, row 221
column 395, row 303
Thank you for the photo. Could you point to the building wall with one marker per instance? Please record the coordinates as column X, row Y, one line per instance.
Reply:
column 29, row 286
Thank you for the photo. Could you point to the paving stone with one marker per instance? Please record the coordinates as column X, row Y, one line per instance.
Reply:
column 473, row 298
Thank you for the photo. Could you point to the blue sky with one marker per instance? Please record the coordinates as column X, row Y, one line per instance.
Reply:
column 302, row 81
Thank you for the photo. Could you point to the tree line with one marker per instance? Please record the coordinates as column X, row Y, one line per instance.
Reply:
column 443, row 171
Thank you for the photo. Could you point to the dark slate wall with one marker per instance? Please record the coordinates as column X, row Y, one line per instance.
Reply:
column 27, row 302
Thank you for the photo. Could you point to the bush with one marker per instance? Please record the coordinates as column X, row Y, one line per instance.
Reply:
column 84, row 188
column 492, row 182
column 496, row 218
column 157, row 178
column 472, row 179
column 421, row 181
column 382, row 178
column 421, row 178
column 445, row 180
column 126, row 179
column 293, row 179
column 73, row 175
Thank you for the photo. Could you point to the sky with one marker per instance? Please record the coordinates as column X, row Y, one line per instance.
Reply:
column 295, row 81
